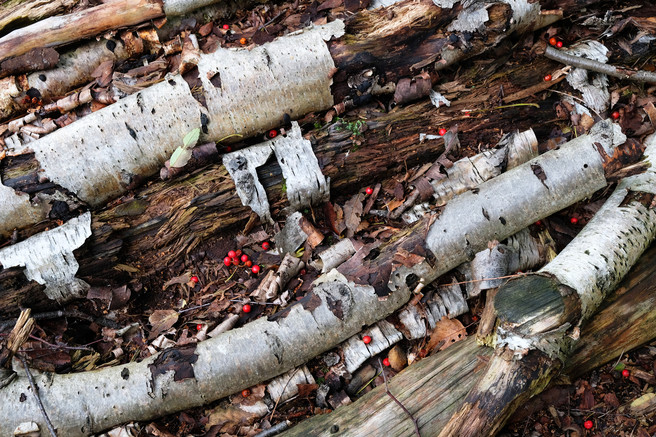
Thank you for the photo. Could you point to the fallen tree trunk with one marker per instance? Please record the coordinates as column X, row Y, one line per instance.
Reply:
column 336, row 308
column 59, row 30
column 435, row 387
column 110, row 149
column 167, row 219
column 540, row 314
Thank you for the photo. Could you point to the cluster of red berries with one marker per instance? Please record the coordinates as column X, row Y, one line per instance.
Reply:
column 236, row 257
column 555, row 42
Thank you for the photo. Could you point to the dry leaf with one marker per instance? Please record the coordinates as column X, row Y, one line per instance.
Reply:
column 352, row 214
column 162, row 320
column 397, row 358
column 447, row 331
column 182, row 279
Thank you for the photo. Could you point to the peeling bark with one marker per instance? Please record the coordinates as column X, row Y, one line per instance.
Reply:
column 541, row 314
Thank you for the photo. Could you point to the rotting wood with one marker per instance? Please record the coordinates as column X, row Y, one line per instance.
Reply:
column 87, row 23
column 372, row 50
column 541, row 314
column 166, row 219
column 434, row 387
column 338, row 306
column 16, row 13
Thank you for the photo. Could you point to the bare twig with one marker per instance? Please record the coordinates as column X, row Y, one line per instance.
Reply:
column 35, row 390
column 276, row 429
column 281, row 393
column 387, row 390
column 599, row 67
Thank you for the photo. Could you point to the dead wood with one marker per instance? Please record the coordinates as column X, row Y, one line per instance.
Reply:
column 58, row 30
column 435, row 387
column 18, row 13
column 540, row 314
column 341, row 302
column 164, row 220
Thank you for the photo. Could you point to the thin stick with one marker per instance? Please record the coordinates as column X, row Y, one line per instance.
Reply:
column 281, row 393
column 387, row 390
column 599, row 67
column 51, row 428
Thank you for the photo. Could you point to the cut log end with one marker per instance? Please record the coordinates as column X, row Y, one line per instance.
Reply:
column 536, row 303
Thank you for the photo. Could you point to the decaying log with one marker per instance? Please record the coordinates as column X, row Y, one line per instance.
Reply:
column 166, row 219
column 17, row 13
column 90, row 22
column 435, row 387
column 339, row 305
column 364, row 60
column 540, row 314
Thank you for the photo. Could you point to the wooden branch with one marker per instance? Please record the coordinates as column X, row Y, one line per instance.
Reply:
column 222, row 365
column 435, row 387
column 599, row 67
column 59, row 30
column 15, row 13
column 540, row 314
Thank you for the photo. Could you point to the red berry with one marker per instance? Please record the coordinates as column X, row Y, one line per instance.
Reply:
column 442, row 132
column 238, row 253
column 244, row 258
column 553, row 41
column 248, row 263
column 559, row 44
column 245, row 392
column 369, row 190
column 303, row 271
column 538, row 223
column 366, row 339
column 615, row 115
column 228, row 149
column 475, row 318
column 199, row 327
column 227, row 261
column 386, row 362
column 194, row 279
column 588, row 424
column 266, row 245
column 255, row 269
column 232, row 254
column 235, row 261
column 246, row 308
column 272, row 133
column 626, row 373
column 573, row 220
column 226, row 27
column 242, row 41
column 547, row 78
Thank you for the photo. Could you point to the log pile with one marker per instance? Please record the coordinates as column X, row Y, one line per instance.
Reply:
column 101, row 188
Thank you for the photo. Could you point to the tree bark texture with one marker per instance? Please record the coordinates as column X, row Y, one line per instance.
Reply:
column 340, row 304
column 90, row 22
column 540, row 314
column 435, row 387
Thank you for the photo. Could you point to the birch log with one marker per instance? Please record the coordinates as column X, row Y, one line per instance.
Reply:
column 435, row 387
column 541, row 314
column 336, row 309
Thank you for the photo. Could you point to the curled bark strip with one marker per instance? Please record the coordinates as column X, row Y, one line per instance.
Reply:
column 541, row 314
column 48, row 258
column 599, row 67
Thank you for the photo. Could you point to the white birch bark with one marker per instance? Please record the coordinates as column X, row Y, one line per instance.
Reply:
column 97, row 157
column 596, row 260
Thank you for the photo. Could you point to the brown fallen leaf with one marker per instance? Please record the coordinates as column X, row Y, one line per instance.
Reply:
column 446, row 332
column 162, row 320
column 182, row 279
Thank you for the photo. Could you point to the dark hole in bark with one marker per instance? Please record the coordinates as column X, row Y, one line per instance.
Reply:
column 411, row 280
column 216, row 80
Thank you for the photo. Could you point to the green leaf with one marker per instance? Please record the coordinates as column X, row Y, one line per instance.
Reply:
column 620, row 366
column 180, row 157
column 191, row 138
